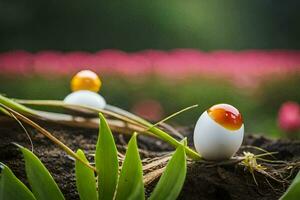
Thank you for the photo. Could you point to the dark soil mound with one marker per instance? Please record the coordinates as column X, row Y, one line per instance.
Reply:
column 204, row 180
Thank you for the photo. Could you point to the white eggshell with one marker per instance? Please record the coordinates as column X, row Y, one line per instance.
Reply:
column 86, row 98
column 213, row 141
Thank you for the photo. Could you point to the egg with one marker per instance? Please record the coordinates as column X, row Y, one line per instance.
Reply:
column 86, row 80
column 85, row 85
column 219, row 132
column 86, row 98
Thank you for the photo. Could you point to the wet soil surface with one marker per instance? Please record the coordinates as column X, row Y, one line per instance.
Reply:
column 203, row 181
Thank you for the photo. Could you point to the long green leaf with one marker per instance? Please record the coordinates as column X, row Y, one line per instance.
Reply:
column 122, row 115
column 172, row 180
column 293, row 192
column 131, row 184
column 11, row 188
column 42, row 183
column 15, row 106
column 106, row 158
column 85, row 179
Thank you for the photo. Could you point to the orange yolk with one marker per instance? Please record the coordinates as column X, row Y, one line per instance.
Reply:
column 226, row 115
column 86, row 80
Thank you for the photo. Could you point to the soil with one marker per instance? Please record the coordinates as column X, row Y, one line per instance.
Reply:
column 204, row 180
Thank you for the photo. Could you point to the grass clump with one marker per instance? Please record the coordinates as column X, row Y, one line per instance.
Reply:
column 112, row 183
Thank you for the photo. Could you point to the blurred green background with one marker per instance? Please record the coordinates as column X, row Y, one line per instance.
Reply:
column 93, row 25
column 132, row 25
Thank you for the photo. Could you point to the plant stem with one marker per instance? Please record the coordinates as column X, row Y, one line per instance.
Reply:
column 15, row 106
column 172, row 141
column 126, row 116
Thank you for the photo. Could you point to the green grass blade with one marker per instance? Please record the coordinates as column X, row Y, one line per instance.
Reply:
column 172, row 180
column 107, row 164
column 2, row 110
column 11, row 188
column 119, row 114
column 293, row 192
column 15, row 106
column 131, row 184
column 85, row 179
column 169, row 139
column 42, row 183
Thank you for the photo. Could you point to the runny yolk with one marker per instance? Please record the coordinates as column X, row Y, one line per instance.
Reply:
column 226, row 115
column 86, row 80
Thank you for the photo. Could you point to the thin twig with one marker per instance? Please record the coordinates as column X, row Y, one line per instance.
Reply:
column 22, row 126
column 48, row 135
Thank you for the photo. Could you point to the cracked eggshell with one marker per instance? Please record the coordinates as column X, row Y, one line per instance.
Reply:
column 213, row 141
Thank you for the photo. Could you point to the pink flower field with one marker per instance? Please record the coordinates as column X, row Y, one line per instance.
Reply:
column 243, row 67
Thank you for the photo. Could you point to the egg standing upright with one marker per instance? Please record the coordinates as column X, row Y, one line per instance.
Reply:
column 85, row 85
column 219, row 132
